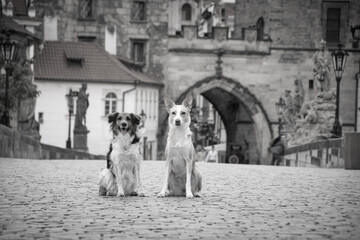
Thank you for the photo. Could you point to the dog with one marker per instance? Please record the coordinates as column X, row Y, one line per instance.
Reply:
column 122, row 175
column 181, row 177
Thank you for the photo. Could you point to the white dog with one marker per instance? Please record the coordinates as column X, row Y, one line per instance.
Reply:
column 181, row 178
column 122, row 176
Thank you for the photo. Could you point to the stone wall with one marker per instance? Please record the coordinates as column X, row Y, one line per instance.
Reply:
column 291, row 23
column 15, row 145
column 321, row 154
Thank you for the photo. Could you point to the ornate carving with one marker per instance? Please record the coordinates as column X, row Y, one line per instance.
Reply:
column 82, row 104
column 288, row 114
column 322, row 64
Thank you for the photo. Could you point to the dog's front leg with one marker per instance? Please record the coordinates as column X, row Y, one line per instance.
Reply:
column 118, row 178
column 165, row 187
column 189, row 168
column 138, row 181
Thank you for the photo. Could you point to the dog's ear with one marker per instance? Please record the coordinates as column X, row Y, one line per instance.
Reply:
column 188, row 101
column 169, row 103
column 135, row 118
column 112, row 116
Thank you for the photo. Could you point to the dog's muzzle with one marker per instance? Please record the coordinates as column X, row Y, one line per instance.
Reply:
column 123, row 126
column 177, row 122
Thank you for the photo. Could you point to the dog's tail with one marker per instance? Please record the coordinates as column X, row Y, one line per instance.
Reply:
column 108, row 160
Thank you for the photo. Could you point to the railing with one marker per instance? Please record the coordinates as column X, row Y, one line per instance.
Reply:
column 16, row 145
column 322, row 154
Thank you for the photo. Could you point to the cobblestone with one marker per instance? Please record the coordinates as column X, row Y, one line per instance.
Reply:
column 58, row 199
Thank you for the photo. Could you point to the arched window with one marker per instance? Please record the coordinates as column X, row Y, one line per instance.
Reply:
column 260, row 28
column 110, row 103
column 186, row 12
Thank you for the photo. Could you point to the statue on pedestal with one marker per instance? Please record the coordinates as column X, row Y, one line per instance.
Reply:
column 288, row 113
column 80, row 129
column 26, row 118
column 322, row 62
column 82, row 104
column 299, row 96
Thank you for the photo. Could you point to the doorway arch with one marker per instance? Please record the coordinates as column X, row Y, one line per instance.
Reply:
column 242, row 113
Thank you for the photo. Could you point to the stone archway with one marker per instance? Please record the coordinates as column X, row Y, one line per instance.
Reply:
column 242, row 113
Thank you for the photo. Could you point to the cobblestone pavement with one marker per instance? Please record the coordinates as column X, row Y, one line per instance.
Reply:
column 58, row 199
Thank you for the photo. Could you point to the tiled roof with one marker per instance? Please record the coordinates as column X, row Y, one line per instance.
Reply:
column 83, row 61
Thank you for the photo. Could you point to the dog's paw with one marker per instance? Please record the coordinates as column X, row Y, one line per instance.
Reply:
column 197, row 195
column 141, row 195
column 120, row 194
column 189, row 195
column 162, row 194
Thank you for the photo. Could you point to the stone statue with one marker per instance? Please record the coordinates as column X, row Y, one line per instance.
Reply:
column 26, row 118
column 288, row 113
column 82, row 104
column 299, row 96
column 322, row 65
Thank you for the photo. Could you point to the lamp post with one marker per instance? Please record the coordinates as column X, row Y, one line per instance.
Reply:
column 70, row 103
column 357, row 77
column 339, row 57
column 279, row 110
column 7, row 50
column 143, row 118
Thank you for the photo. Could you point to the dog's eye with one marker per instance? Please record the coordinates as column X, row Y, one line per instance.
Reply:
column 173, row 113
column 182, row 113
column 128, row 119
column 119, row 118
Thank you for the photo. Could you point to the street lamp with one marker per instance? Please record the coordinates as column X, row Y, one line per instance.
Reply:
column 279, row 110
column 143, row 118
column 339, row 57
column 70, row 103
column 7, row 49
column 357, row 77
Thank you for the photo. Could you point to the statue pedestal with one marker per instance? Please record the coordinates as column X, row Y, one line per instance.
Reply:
column 80, row 139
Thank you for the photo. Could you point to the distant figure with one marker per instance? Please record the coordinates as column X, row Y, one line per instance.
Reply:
column 277, row 147
column 82, row 104
column 212, row 155
column 322, row 62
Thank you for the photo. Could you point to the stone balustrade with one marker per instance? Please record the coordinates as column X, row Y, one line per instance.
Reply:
column 322, row 154
column 16, row 145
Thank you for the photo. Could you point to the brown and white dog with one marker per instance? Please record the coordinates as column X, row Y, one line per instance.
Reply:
column 181, row 177
column 122, row 175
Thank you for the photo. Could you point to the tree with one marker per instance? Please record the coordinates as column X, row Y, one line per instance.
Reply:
column 21, row 86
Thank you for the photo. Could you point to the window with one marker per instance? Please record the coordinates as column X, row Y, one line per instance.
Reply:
column 333, row 25
column 41, row 117
column 86, row 38
column 335, row 18
column 138, row 12
column 223, row 15
column 86, row 9
column 74, row 62
column 110, row 103
column 311, row 84
column 186, row 12
column 138, row 51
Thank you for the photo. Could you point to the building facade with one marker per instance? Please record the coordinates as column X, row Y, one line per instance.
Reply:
column 242, row 74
